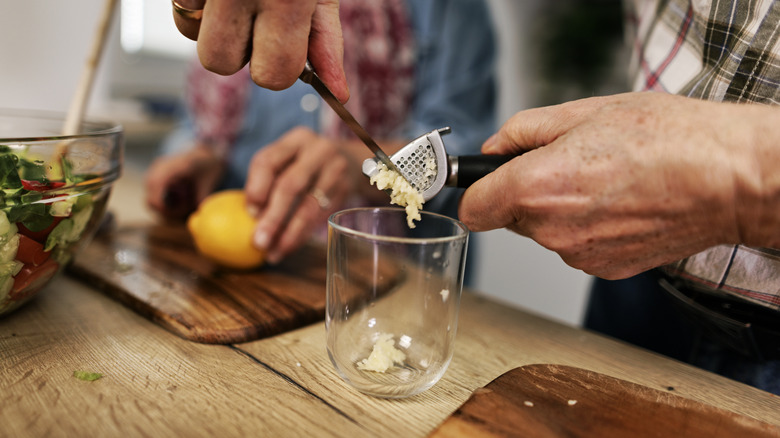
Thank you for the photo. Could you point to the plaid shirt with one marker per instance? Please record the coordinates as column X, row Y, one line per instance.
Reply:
column 719, row 50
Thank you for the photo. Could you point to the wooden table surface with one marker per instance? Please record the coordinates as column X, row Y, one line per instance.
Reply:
column 157, row 384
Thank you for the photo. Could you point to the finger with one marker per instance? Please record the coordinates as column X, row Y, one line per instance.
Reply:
column 286, row 193
column 537, row 127
column 488, row 204
column 295, row 181
column 169, row 188
column 158, row 179
column 187, row 25
column 292, row 188
column 265, row 167
column 155, row 183
column 326, row 49
column 225, row 35
column 333, row 182
column 331, row 188
column 272, row 160
column 311, row 213
column 285, row 199
column 280, row 42
column 296, row 231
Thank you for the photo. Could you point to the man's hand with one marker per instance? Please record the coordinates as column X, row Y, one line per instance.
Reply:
column 295, row 184
column 175, row 184
column 274, row 36
column 621, row 184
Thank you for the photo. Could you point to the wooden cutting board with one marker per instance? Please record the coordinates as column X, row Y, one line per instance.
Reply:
column 561, row 401
column 156, row 271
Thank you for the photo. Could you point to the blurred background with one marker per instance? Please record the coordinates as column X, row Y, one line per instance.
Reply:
column 550, row 52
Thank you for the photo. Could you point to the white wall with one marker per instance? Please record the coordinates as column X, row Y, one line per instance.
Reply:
column 513, row 268
column 45, row 44
column 43, row 47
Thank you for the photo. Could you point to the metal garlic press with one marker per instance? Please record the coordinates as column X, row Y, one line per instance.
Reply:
column 426, row 165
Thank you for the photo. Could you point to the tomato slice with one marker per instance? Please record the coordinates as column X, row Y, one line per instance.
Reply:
column 31, row 252
column 39, row 186
column 32, row 278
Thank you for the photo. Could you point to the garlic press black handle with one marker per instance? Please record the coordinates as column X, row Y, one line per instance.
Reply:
column 466, row 169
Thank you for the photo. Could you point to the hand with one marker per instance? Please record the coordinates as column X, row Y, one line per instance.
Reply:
column 274, row 36
column 176, row 184
column 295, row 184
column 621, row 184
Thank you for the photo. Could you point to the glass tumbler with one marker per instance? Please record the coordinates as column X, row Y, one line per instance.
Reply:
column 393, row 295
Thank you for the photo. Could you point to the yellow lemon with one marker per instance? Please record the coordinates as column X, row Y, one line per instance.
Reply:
column 222, row 230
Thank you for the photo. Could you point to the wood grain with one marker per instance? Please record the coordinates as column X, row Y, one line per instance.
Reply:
column 491, row 340
column 154, row 384
column 552, row 401
column 158, row 384
column 155, row 270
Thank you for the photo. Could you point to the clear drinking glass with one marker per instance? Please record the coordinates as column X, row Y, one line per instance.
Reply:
column 393, row 295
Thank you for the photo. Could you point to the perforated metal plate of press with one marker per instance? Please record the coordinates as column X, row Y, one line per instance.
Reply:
column 423, row 162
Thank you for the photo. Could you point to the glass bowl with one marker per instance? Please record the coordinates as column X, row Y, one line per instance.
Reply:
column 53, row 194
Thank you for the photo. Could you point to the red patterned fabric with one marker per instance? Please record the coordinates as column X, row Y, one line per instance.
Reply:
column 217, row 104
column 379, row 54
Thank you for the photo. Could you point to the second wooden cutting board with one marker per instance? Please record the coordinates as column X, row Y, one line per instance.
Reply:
column 156, row 271
column 557, row 401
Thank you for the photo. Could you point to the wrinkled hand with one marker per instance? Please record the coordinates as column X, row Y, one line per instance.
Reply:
column 295, row 184
column 274, row 36
column 620, row 184
column 175, row 184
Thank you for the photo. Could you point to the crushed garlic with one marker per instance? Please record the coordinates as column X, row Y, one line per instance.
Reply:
column 402, row 193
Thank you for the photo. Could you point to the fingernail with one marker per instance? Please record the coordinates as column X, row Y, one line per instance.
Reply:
column 261, row 239
column 490, row 144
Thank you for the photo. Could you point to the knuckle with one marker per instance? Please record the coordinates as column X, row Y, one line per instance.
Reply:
column 222, row 67
column 290, row 184
column 301, row 132
column 272, row 80
column 260, row 159
column 340, row 164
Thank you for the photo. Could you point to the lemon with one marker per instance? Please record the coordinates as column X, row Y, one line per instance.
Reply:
column 222, row 230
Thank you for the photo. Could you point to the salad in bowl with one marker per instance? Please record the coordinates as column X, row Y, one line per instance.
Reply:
column 53, row 195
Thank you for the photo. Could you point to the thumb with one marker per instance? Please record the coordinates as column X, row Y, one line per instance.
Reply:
column 533, row 128
column 326, row 49
column 488, row 203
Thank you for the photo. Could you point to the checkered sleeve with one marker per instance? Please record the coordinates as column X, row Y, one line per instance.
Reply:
column 719, row 50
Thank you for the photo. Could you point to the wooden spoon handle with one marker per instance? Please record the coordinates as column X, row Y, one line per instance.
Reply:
column 79, row 103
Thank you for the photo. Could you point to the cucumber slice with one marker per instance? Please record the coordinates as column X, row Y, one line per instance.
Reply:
column 58, row 233
column 5, row 225
column 80, row 220
column 70, row 229
column 62, row 208
column 6, row 284
column 10, row 268
column 9, row 248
